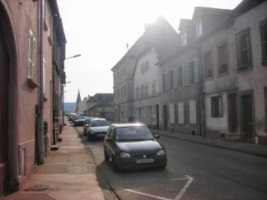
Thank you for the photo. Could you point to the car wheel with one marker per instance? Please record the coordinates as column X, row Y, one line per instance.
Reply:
column 163, row 166
column 106, row 155
column 90, row 138
column 114, row 163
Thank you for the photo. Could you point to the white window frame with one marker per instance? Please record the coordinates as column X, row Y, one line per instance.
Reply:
column 192, row 112
column 31, row 55
column 171, row 113
column 181, row 117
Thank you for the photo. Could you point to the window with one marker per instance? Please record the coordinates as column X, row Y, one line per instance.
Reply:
column 142, row 91
column 137, row 93
column 208, row 64
column 263, row 28
column 216, row 106
column 163, row 82
column 192, row 73
column 153, row 88
column 146, row 90
column 199, row 29
column 124, row 89
column 171, row 113
column 44, row 76
column 170, row 79
column 181, row 113
column 183, row 39
column 243, row 48
column 222, row 59
column 185, row 75
column 31, row 55
column 192, row 112
column 180, row 76
column 144, row 67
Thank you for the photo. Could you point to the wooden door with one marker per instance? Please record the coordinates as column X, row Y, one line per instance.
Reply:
column 246, row 117
column 4, row 63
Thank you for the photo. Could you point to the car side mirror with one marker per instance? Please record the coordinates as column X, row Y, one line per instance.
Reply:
column 157, row 137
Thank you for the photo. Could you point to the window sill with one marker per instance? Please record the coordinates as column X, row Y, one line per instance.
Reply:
column 31, row 83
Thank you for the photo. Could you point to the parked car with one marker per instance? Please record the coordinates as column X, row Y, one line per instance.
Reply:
column 79, row 121
column 97, row 128
column 86, row 125
column 133, row 146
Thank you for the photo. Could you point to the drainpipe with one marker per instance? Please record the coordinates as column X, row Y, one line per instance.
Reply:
column 201, row 111
column 41, row 136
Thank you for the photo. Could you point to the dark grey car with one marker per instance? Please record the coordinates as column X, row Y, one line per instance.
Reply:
column 133, row 146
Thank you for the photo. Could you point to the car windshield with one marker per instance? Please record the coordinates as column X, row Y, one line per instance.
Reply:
column 133, row 133
column 95, row 123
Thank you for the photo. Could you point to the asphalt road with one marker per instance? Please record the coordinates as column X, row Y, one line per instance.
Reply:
column 194, row 171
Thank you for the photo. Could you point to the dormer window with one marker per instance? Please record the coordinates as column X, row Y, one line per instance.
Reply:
column 199, row 29
column 183, row 39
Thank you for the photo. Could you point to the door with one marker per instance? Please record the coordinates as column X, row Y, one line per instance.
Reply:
column 157, row 116
column 232, row 112
column 4, row 74
column 165, row 117
column 246, row 117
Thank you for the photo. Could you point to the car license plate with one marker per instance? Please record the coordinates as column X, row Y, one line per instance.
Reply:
column 146, row 160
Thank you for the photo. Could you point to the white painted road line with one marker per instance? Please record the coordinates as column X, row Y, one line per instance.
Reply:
column 186, row 186
column 144, row 194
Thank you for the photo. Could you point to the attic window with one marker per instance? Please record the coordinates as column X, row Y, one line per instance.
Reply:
column 199, row 29
column 183, row 39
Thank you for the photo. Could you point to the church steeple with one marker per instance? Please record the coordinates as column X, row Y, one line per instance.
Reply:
column 78, row 100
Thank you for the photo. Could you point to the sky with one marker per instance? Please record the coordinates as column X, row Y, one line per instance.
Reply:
column 100, row 30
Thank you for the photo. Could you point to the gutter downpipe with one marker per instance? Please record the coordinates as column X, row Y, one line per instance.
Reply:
column 41, row 136
column 201, row 91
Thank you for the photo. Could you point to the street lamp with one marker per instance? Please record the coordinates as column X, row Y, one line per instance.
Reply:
column 75, row 56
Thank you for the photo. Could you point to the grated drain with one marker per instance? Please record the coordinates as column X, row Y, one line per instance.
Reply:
column 78, row 170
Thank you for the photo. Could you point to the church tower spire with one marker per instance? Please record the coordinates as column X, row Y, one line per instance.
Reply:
column 78, row 100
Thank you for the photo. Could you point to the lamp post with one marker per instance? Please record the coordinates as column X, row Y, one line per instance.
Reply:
column 75, row 56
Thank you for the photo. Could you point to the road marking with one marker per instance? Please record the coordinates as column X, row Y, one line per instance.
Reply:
column 187, row 178
column 144, row 194
column 183, row 190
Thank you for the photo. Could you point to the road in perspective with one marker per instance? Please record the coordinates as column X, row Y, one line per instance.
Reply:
column 194, row 171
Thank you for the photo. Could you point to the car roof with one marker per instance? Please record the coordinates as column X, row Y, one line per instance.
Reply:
column 133, row 124
column 96, row 118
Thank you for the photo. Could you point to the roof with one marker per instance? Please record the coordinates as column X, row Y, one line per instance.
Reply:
column 121, row 125
column 200, row 12
column 159, row 35
column 102, row 97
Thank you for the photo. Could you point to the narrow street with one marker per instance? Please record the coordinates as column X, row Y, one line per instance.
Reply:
column 194, row 171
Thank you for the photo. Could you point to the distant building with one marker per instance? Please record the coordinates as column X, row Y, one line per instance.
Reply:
column 211, row 83
column 101, row 105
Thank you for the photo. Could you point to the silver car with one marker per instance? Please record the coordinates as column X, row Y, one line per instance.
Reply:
column 97, row 128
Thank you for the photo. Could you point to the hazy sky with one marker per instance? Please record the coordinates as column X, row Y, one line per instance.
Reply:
column 100, row 29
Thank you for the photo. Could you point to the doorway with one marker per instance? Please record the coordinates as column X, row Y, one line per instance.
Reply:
column 246, row 117
column 165, row 116
column 232, row 112
column 4, row 94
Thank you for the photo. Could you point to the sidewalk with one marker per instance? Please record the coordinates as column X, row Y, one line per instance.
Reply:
column 68, row 173
column 259, row 150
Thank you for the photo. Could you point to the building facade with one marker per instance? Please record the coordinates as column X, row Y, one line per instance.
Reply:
column 26, row 88
column 213, row 83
